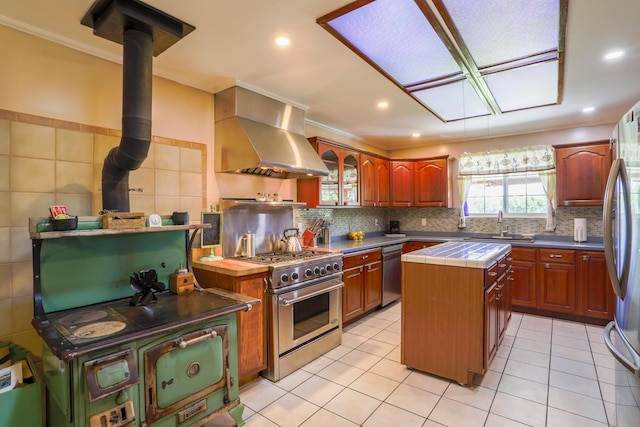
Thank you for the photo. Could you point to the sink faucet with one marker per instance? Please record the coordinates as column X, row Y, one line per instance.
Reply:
column 505, row 229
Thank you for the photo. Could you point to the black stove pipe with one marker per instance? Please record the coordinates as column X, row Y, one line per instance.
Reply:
column 136, row 120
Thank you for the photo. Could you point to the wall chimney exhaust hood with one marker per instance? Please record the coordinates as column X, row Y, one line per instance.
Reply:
column 259, row 135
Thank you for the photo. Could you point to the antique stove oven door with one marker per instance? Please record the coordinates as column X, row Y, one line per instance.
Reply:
column 181, row 373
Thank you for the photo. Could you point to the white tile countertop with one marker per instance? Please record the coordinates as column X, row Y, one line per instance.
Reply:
column 460, row 254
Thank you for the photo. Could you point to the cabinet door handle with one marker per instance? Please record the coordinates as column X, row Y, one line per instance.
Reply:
column 509, row 259
column 493, row 273
column 511, row 278
column 555, row 256
column 586, row 257
column 364, row 257
column 502, row 265
column 547, row 266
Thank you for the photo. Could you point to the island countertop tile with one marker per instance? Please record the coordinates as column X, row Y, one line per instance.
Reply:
column 460, row 254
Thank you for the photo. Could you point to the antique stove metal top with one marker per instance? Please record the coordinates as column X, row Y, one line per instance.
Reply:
column 79, row 331
column 289, row 269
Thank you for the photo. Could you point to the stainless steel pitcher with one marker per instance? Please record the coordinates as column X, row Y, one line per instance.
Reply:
column 248, row 244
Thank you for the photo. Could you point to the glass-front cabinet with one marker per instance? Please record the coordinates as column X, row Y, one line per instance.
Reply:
column 339, row 188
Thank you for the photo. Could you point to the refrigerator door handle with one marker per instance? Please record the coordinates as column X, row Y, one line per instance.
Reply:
column 632, row 365
column 619, row 283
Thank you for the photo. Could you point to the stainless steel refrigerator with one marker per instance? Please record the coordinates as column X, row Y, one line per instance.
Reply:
column 622, row 246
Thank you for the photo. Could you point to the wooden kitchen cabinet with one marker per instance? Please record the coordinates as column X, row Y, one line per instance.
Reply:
column 582, row 172
column 432, row 183
column 252, row 332
column 414, row 246
column 557, row 280
column 595, row 296
column 375, row 181
column 362, row 277
column 341, row 186
column 491, row 322
column 401, row 179
column 523, row 272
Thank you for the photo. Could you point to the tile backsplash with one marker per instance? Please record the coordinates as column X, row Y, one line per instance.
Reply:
column 44, row 162
column 343, row 220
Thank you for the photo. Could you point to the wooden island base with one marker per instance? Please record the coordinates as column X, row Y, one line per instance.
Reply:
column 443, row 320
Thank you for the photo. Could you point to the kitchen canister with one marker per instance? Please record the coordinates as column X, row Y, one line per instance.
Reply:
column 580, row 229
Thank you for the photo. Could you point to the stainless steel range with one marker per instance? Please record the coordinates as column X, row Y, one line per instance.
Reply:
column 304, row 306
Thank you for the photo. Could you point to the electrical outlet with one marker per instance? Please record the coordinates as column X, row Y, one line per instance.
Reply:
column 375, row 222
column 424, row 221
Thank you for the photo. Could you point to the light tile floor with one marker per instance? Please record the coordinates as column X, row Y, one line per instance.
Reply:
column 547, row 372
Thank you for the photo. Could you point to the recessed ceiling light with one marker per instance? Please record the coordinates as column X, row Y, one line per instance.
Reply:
column 588, row 110
column 614, row 54
column 415, row 134
column 283, row 41
column 383, row 104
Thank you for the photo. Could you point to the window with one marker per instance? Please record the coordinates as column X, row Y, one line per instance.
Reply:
column 515, row 193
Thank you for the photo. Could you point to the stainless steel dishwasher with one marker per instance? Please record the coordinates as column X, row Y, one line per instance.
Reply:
column 391, row 273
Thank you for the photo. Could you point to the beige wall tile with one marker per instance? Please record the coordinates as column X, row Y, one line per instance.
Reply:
column 5, row 209
column 22, row 282
column 29, row 340
column 193, row 205
column 29, row 140
column 74, row 146
column 4, row 136
column 5, row 245
column 167, row 157
column 34, row 175
column 21, row 313
column 5, row 282
column 143, row 178
column 77, row 204
column 72, row 177
column 167, row 183
column 150, row 161
column 190, row 184
column 166, row 205
column 190, row 159
column 140, row 203
column 4, row 173
column 5, row 325
column 102, row 145
column 20, row 245
column 24, row 205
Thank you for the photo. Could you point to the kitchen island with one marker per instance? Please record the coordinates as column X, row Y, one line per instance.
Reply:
column 454, row 307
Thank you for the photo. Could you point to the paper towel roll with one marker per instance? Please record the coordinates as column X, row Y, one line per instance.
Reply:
column 580, row 229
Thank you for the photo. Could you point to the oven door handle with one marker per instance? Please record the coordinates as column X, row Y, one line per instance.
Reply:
column 286, row 302
column 184, row 344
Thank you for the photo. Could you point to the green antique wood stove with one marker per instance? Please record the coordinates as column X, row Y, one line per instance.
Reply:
column 110, row 359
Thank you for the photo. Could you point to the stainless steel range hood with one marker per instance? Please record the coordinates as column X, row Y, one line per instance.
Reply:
column 259, row 135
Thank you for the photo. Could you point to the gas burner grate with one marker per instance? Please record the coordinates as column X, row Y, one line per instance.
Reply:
column 279, row 257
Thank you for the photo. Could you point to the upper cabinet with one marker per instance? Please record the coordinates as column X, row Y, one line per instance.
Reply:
column 582, row 172
column 375, row 181
column 421, row 183
column 341, row 186
column 432, row 183
column 401, row 183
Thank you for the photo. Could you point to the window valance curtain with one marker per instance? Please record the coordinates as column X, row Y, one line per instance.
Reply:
column 526, row 159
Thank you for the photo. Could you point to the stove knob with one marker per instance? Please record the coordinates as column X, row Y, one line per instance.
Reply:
column 284, row 278
column 328, row 268
column 322, row 271
column 294, row 276
column 316, row 271
column 307, row 272
column 336, row 266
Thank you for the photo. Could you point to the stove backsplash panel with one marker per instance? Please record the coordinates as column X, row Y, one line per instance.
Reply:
column 266, row 222
column 80, row 271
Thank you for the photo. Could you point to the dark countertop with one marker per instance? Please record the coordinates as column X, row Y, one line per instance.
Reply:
column 169, row 313
column 372, row 241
